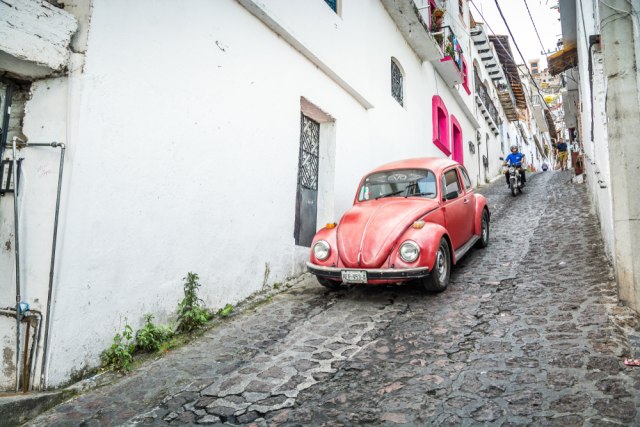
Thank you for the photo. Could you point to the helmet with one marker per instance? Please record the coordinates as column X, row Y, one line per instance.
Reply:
column 513, row 147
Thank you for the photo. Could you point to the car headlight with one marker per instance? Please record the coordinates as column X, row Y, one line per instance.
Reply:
column 409, row 251
column 321, row 250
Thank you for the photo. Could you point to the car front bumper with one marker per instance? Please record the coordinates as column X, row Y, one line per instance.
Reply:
column 372, row 273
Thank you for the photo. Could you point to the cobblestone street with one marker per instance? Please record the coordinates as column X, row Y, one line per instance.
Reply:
column 529, row 332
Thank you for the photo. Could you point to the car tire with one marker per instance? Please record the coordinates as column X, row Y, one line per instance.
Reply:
column 484, row 230
column 438, row 280
column 329, row 284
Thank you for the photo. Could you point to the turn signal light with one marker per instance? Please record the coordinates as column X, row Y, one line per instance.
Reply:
column 331, row 225
column 418, row 224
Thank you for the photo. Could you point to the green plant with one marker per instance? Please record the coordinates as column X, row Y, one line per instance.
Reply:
column 225, row 311
column 191, row 311
column 449, row 50
column 151, row 336
column 120, row 354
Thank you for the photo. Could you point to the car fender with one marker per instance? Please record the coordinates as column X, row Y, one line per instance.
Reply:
column 329, row 235
column 428, row 239
column 481, row 205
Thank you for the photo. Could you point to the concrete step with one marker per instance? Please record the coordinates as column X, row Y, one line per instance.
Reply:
column 17, row 408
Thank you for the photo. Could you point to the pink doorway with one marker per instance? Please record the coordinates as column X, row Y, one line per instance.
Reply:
column 457, row 153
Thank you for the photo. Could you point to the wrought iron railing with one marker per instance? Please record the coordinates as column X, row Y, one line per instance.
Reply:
column 483, row 94
column 448, row 43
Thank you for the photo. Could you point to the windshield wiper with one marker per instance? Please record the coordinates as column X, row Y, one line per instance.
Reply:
column 419, row 194
column 395, row 193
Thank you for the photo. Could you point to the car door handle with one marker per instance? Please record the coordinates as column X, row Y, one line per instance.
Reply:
column 466, row 201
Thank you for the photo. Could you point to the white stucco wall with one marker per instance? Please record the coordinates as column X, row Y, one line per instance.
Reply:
column 593, row 116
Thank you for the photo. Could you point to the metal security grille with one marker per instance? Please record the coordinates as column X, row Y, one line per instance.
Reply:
column 307, row 192
column 396, row 82
column 309, row 154
column 333, row 4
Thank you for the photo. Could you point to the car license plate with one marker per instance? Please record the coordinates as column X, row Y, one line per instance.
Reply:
column 354, row 276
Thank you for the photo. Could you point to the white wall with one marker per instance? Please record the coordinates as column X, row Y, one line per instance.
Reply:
column 596, row 149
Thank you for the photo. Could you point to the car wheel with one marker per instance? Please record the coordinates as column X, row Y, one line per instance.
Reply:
column 438, row 280
column 484, row 231
column 329, row 284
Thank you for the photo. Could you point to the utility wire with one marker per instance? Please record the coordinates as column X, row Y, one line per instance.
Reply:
column 524, row 61
column 505, row 49
column 534, row 26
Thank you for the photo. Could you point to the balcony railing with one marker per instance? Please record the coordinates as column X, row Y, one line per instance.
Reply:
column 483, row 94
column 448, row 44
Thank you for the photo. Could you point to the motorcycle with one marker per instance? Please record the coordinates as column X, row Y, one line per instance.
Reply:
column 515, row 178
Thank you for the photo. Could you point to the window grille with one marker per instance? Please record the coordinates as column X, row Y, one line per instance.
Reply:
column 396, row 83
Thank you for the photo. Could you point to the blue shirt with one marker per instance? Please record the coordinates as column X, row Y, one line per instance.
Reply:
column 562, row 146
column 514, row 159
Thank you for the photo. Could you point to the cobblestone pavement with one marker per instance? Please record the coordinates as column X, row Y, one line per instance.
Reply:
column 528, row 333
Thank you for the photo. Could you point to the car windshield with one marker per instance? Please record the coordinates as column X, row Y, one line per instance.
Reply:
column 399, row 183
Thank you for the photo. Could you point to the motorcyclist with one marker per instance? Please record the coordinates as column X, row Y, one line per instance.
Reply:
column 515, row 159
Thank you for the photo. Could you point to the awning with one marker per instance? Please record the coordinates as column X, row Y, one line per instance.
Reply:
column 562, row 60
column 503, row 49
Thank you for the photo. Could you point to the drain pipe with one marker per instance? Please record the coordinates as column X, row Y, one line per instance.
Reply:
column 17, row 258
column 34, row 348
column 32, row 315
column 47, row 325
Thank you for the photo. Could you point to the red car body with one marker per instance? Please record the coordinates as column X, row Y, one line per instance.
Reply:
column 365, row 246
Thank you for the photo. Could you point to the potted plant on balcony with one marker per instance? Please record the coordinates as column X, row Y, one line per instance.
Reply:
column 437, row 16
column 449, row 50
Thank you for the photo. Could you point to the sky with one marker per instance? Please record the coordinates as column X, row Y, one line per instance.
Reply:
column 515, row 12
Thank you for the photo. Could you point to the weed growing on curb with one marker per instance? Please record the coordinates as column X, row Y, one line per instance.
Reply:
column 191, row 313
column 120, row 354
column 151, row 336
column 225, row 311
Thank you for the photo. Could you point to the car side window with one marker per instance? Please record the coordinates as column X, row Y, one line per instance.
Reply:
column 465, row 178
column 450, row 182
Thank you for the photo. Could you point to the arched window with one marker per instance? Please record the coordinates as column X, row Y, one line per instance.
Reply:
column 397, row 82
column 440, row 120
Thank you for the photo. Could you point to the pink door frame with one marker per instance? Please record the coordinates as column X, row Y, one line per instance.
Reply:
column 457, row 147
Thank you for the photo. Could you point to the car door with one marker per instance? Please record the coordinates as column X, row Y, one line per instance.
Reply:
column 455, row 207
column 469, row 201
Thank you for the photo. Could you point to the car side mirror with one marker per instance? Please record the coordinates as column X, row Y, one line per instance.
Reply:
column 451, row 195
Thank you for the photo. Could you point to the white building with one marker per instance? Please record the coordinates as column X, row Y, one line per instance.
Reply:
column 214, row 138
column 600, row 58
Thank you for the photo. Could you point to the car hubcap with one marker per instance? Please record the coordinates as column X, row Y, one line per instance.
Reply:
column 441, row 263
column 484, row 230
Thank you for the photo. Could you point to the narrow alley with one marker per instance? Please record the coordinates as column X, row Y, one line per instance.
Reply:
column 509, row 342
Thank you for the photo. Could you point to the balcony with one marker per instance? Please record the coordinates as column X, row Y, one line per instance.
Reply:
column 483, row 99
column 415, row 26
column 427, row 37
column 508, row 101
column 449, row 62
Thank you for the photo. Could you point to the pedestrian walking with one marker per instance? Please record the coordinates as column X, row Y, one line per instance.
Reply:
column 562, row 155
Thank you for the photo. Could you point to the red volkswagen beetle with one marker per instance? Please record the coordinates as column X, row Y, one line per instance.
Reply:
column 411, row 220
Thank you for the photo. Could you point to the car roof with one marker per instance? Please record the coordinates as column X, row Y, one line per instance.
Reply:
column 436, row 164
